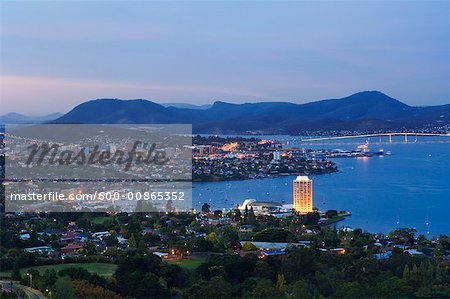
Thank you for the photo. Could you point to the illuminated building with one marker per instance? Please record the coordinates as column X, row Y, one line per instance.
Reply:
column 276, row 156
column 302, row 194
column 229, row 147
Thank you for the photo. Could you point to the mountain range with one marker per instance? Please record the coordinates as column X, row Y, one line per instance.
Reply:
column 186, row 105
column 364, row 111
column 16, row 118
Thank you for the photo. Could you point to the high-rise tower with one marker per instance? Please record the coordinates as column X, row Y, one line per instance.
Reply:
column 302, row 194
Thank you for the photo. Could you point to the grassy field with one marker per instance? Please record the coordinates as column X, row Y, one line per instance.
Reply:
column 189, row 264
column 100, row 220
column 99, row 268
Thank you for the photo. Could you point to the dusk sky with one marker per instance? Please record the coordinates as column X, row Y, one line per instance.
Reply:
column 55, row 55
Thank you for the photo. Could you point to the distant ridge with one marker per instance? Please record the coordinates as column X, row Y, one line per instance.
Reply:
column 16, row 118
column 367, row 110
column 187, row 106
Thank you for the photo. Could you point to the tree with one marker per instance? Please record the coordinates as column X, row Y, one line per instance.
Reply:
column 63, row 288
column 212, row 237
column 248, row 246
column 403, row 236
column 132, row 241
column 311, row 218
column 442, row 276
column 422, row 242
column 15, row 274
column 133, row 271
column 357, row 232
column 274, row 235
column 142, row 246
column 13, row 252
column 420, row 276
column 251, row 218
column 392, row 288
column 85, row 221
column 281, row 282
column 206, row 208
column 83, row 274
column 264, row 288
column 110, row 241
column 299, row 262
column 246, row 214
column 217, row 271
column 300, row 289
column 217, row 287
column 325, row 284
column 150, row 287
column 350, row 289
column 267, row 269
column 50, row 277
column 229, row 234
column 11, row 295
column 406, row 273
column 203, row 245
column 438, row 251
column 84, row 289
column 237, row 215
column 331, row 213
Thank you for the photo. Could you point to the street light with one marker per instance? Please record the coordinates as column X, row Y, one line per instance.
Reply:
column 31, row 279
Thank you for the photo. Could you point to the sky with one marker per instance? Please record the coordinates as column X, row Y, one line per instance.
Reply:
column 55, row 55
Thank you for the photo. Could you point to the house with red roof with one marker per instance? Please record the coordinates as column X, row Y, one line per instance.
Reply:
column 71, row 249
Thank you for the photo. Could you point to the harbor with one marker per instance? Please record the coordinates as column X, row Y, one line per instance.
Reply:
column 404, row 189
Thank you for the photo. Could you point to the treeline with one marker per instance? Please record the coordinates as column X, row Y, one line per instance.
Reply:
column 301, row 273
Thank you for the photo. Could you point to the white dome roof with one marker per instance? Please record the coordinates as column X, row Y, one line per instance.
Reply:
column 302, row 178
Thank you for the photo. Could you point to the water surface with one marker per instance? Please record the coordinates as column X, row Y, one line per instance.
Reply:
column 407, row 189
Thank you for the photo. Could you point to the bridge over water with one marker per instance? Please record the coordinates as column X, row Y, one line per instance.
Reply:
column 380, row 135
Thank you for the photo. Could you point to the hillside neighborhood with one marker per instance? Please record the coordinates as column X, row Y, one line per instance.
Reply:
column 203, row 242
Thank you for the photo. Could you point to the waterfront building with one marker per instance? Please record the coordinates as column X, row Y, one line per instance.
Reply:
column 302, row 195
column 259, row 207
column 273, row 208
column 276, row 156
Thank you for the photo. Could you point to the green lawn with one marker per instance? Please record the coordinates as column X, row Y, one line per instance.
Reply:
column 99, row 268
column 189, row 264
column 100, row 220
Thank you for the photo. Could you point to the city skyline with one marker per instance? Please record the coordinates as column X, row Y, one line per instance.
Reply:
column 55, row 56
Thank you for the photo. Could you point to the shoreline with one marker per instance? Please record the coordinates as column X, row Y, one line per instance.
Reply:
column 224, row 179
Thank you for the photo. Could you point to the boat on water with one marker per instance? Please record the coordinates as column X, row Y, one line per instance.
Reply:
column 362, row 151
column 365, row 151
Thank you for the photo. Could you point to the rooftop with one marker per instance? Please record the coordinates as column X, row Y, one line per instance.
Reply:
column 302, row 178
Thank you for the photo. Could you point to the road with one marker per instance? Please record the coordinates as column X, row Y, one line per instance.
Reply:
column 9, row 286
